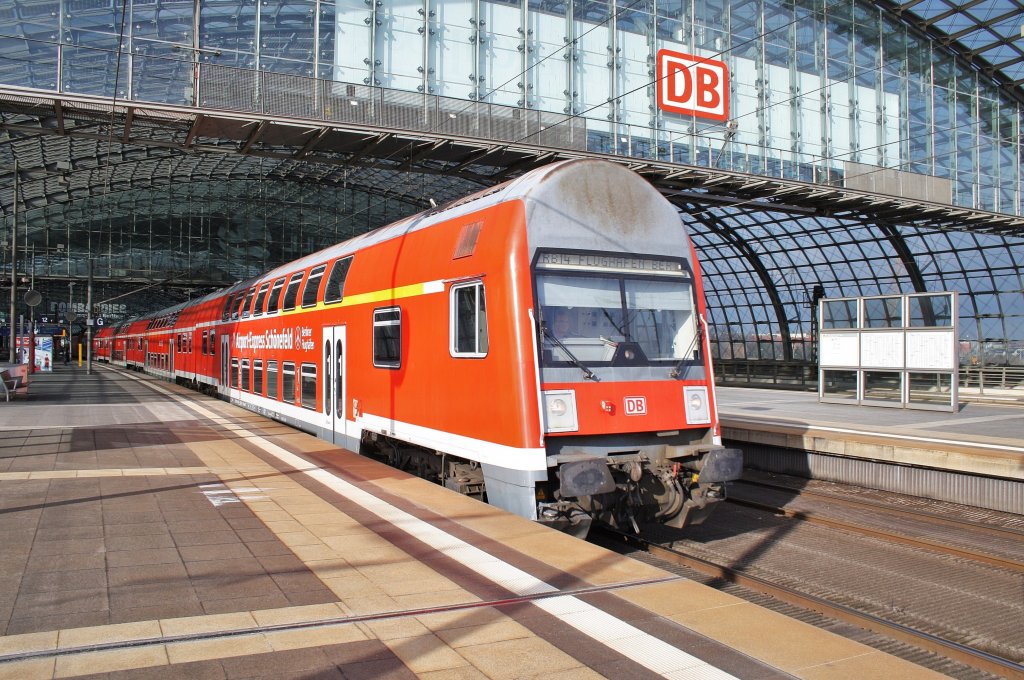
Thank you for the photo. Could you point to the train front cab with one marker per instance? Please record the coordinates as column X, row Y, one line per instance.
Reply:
column 626, row 400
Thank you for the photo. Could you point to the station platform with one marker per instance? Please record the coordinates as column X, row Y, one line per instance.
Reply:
column 153, row 532
column 986, row 440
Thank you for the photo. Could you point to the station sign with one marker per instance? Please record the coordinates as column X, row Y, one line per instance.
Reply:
column 693, row 86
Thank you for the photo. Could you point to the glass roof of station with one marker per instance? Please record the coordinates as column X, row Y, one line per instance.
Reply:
column 988, row 33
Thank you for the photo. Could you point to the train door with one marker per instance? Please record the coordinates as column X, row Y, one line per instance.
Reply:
column 225, row 351
column 170, row 356
column 333, row 386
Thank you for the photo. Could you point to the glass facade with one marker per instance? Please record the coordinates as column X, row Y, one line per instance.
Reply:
column 823, row 91
column 815, row 85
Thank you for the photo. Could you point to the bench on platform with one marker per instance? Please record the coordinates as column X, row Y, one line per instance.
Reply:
column 14, row 382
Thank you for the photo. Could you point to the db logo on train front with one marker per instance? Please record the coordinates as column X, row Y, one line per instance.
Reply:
column 635, row 406
column 694, row 86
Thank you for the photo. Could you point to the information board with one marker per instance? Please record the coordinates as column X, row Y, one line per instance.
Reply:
column 881, row 350
column 932, row 350
column 839, row 349
column 915, row 351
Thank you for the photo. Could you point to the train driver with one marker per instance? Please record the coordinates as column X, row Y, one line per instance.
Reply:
column 562, row 326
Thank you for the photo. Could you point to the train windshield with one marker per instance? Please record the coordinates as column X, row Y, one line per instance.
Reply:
column 617, row 320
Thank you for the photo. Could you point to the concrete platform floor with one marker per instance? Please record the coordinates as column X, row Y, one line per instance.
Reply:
column 151, row 532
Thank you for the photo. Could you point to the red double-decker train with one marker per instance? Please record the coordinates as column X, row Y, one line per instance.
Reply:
column 541, row 344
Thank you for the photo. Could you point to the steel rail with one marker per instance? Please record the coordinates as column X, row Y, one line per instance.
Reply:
column 816, row 518
column 952, row 650
column 989, row 529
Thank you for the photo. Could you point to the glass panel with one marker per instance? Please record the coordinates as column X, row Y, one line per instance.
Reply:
column 661, row 319
column 309, row 386
column 312, row 289
column 245, row 303
column 339, row 407
column 335, row 289
column 839, row 314
column 883, row 386
column 931, row 388
column 883, row 312
column 275, row 296
column 257, row 308
column 257, row 377
column 327, row 377
column 840, row 384
column 272, row 379
column 931, row 310
column 245, row 374
column 592, row 316
column 387, row 338
column 234, row 373
column 292, row 293
column 470, row 320
column 288, row 383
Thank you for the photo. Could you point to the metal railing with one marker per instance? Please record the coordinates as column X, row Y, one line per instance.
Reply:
column 1008, row 380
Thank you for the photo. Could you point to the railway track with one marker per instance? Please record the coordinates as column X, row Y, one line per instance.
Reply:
column 949, row 649
column 921, row 573
column 880, row 520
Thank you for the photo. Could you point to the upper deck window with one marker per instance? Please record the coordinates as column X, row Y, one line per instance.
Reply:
column 246, row 304
column 335, row 289
column 228, row 305
column 312, row 290
column 292, row 292
column 257, row 308
column 274, row 303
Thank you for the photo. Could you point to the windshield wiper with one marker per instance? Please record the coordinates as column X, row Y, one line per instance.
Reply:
column 590, row 375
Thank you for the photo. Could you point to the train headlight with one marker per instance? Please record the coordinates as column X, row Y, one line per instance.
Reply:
column 698, row 410
column 560, row 411
column 557, row 407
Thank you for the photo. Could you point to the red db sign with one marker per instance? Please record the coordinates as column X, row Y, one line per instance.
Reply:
column 694, row 86
column 636, row 406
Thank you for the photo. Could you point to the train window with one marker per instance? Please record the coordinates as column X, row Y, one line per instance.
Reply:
column 246, row 304
column 234, row 304
column 468, row 320
column 206, row 340
column 292, row 292
column 312, row 289
column 327, row 377
column 234, row 373
column 274, row 303
column 261, row 297
column 272, row 379
column 213, row 342
column 288, row 382
column 226, row 312
column 309, row 386
column 245, row 375
column 335, row 289
column 387, row 337
column 257, row 377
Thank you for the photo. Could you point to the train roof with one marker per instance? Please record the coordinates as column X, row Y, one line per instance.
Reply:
column 519, row 188
column 522, row 188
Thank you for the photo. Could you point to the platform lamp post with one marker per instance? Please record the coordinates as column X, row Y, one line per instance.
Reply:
column 70, row 315
column 14, row 269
